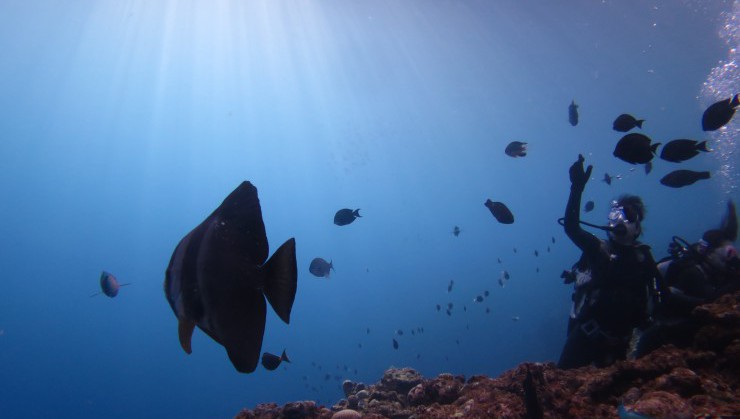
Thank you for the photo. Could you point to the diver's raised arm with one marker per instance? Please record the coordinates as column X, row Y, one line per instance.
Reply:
column 578, row 178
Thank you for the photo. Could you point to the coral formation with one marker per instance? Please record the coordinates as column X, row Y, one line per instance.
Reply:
column 700, row 381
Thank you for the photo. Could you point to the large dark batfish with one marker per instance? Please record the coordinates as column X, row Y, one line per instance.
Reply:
column 635, row 149
column 500, row 211
column 681, row 150
column 626, row 122
column 218, row 279
column 321, row 268
column 573, row 113
column 719, row 114
column 681, row 178
column 346, row 216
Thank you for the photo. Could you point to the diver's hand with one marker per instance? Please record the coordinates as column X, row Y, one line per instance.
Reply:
column 579, row 177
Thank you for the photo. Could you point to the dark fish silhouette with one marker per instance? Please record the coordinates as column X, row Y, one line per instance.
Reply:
column 478, row 299
column 626, row 122
column 648, row 167
column 719, row 114
column 456, row 231
column 532, row 404
column 219, row 276
column 589, row 206
column 500, row 212
column 635, row 149
column 399, row 332
column 271, row 362
column 553, row 239
column 449, row 287
column 516, row 149
column 573, row 113
column 681, row 150
column 607, row 179
column 321, row 268
column 439, row 307
column 486, row 293
column 681, row 178
column 346, row 216
column 395, row 344
column 109, row 285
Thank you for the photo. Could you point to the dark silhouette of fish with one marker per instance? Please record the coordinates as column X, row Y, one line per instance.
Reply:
column 681, row 150
column 321, row 268
column 573, row 113
column 532, row 404
column 478, row 299
column 439, row 307
column 553, row 239
column 635, row 148
column 109, row 285
column 271, row 362
column 399, row 332
column 626, row 122
column 449, row 286
column 536, row 253
column 346, row 216
column 589, row 206
column 516, row 149
column 607, row 179
column 719, row 114
column 219, row 276
column 500, row 212
column 395, row 344
column 681, row 178
column 648, row 167
column 456, row 231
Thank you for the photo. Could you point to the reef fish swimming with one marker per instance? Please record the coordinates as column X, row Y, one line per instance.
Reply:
column 321, row 268
column 635, row 148
column 346, row 216
column 719, row 114
column 589, row 206
column 626, row 122
column 109, row 285
column 271, row 362
column 681, row 178
column 681, row 150
column 219, row 276
column 516, row 149
column 500, row 212
column 573, row 113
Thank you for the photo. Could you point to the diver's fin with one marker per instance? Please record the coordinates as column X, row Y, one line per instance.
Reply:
column 281, row 279
column 185, row 333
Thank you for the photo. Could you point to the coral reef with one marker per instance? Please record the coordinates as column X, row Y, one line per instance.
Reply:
column 700, row 381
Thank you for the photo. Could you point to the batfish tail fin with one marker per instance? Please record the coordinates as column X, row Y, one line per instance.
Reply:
column 639, row 123
column 185, row 330
column 702, row 146
column 654, row 147
column 356, row 213
column 284, row 357
column 281, row 279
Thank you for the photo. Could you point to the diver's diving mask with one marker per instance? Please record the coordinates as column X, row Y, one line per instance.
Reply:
column 622, row 229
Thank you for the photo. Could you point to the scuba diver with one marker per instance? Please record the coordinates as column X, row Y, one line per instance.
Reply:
column 613, row 279
column 693, row 275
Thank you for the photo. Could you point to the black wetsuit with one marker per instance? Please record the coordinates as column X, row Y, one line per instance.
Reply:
column 689, row 283
column 613, row 302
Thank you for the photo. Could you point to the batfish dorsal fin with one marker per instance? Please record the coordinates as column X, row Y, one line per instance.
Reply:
column 185, row 333
column 281, row 273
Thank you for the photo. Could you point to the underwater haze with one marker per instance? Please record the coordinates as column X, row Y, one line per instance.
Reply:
column 126, row 123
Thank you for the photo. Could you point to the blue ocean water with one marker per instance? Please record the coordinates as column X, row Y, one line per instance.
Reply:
column 125, row 123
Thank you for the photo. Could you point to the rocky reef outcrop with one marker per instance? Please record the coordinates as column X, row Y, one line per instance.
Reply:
column 700, row 381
